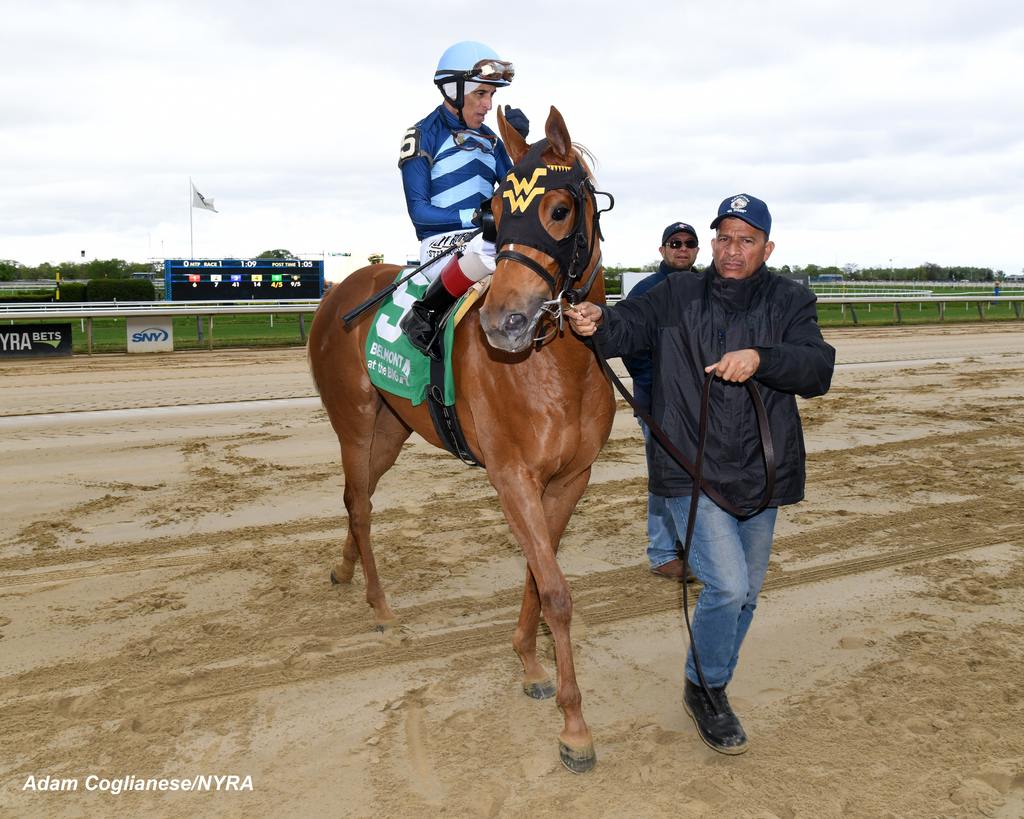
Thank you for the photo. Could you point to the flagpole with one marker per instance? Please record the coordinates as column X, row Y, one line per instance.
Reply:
column 191, row 248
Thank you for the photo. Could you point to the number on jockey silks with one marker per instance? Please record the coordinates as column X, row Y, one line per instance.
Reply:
column 410, row 146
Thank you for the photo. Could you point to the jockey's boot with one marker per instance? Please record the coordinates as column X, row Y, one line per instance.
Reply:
column 420, row 323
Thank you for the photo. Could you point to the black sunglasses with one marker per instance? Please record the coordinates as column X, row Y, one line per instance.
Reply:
column 675, row 244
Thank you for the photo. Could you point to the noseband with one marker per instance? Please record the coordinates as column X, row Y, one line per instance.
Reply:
column 521, row 191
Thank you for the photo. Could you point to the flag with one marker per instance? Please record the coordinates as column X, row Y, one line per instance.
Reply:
column 200, row 201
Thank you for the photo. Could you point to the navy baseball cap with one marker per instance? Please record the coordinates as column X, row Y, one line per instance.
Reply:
column 678, row 227
column 748, row 208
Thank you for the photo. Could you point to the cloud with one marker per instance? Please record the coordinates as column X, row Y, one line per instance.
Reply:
column 868, row 129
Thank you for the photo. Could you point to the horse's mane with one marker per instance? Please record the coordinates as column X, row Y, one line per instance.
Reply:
column 586, row 155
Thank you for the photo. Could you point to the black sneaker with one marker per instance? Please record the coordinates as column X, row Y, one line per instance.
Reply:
column 716, row 723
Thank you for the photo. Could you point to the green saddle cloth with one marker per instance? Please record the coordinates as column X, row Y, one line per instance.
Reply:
column 395, row 366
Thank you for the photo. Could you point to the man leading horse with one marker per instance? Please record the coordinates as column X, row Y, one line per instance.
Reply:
column 739, row 321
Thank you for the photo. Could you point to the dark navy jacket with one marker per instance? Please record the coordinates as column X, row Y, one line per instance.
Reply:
column 448, row 170
column 691, row 321
column 640, row 367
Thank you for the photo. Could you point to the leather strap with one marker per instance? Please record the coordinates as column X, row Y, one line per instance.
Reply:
column 444, row 416
column 764, row 431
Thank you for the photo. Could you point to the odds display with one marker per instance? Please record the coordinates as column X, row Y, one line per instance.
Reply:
column 242, row 279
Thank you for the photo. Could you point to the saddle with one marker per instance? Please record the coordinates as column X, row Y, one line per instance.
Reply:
column 396, row 367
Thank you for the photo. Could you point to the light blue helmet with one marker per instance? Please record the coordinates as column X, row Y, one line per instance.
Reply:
column 473, row 62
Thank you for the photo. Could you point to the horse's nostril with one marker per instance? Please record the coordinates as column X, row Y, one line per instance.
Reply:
column 514, row 323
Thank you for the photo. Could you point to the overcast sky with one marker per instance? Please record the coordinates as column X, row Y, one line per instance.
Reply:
column 876, row 131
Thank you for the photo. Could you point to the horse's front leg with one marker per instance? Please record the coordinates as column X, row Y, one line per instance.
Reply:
column 560, row 499
column 536, row 681
column 527, row 516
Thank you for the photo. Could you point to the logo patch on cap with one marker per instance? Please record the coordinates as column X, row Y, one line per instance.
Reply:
column 739, row 204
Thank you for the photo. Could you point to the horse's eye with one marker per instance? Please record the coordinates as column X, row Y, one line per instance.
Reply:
column 560, row 214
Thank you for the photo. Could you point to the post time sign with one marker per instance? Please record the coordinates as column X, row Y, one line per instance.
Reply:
column 242, row 279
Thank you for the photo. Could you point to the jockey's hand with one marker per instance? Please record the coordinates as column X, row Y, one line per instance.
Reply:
column 736, row 366
column 584, row 317
column 484, row 253
column 481, row 247
column 517, row 119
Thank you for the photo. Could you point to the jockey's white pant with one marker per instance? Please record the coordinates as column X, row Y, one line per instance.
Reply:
column 477, row 260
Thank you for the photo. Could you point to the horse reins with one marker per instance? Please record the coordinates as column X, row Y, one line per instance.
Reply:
column 763, row 428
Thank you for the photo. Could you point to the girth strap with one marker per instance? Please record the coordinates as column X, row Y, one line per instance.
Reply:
column 445, row 418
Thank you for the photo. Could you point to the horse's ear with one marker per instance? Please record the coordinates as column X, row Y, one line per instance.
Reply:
column 558, row 135
column 514, row 142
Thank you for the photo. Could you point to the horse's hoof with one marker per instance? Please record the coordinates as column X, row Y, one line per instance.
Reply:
column 543, row 690
column 577, row 760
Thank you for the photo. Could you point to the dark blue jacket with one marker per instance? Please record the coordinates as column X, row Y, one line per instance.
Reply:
column 691, row 321
column 640, row 367
column 448, row 170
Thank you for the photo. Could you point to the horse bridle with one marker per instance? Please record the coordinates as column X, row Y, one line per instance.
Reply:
column 522, row 189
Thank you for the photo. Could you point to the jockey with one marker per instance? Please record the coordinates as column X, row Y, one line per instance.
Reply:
column 450, row 163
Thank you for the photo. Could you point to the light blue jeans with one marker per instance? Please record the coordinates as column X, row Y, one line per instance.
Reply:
column 730, row 558
column 661, row 528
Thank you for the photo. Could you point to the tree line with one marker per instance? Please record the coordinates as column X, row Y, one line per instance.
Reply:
column 95, row 269
column 927, row 272
column 11, row 270
column 120, row 269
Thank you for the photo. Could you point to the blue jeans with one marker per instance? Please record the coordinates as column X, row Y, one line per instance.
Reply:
column 661, row 528
column 730, row 557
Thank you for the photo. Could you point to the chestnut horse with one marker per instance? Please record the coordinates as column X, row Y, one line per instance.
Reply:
column 536, row 413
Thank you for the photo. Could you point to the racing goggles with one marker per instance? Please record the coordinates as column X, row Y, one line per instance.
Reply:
column 492, row 71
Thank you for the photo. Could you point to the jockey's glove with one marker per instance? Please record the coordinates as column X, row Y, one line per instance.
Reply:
column 518, row 120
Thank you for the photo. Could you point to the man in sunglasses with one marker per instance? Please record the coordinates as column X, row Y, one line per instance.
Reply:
column 736, row 321
column 450, row 163
column 679, row 249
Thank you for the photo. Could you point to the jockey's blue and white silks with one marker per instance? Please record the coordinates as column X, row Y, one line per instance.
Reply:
column 447, row 171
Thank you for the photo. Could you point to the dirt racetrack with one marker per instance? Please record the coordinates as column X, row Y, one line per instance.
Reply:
column 168, row 524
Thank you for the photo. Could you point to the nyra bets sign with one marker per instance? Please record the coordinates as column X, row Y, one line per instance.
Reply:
column 35, row 339
column 150, row 334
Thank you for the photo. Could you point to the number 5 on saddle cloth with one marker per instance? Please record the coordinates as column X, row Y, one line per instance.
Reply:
column 395, row 366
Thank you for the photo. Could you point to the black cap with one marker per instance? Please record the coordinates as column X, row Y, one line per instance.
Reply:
column 678, row 227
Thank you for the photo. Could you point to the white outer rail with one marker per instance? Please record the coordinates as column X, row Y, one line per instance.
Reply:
column 119, row 309
column 90, row 310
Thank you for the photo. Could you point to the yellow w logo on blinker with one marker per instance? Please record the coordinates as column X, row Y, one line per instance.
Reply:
column 524, row 191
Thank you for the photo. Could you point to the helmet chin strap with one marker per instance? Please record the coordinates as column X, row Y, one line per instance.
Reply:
column 459, row 102
column 460, row 97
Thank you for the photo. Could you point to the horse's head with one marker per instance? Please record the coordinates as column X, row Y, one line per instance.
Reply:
column 548, row 236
